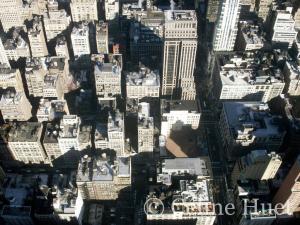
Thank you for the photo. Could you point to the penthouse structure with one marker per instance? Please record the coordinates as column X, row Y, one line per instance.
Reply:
column 80, row 39
column 37, row 38
column 249, row 37
column 257, row 165
column 289, row 191
column 251, row 78
column 84, row 10
column 11, row 78
column 107, row 72
column 248, row 126
column 146, row 35
column 51, row 110
column 14, row 105
column 186, row 181
column 55, row 20
column 14, row 47
column 25, row 142
column 177, row 114
column 141, row 84
column 102, row 37
column 284, row 28
column 102, row 178
column 291, row 73
column 145, row 129
column 180, row 47
column 61, row 47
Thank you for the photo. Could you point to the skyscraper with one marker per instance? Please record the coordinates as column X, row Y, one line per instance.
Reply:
column 180, row 46
column 227, row 26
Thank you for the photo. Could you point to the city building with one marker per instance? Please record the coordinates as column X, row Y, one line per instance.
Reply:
column 227, row 26
column 178, row 114
column 283, row 32
column 84, row 10
column 257, row 165
column 50, row 110
column 250, row 37
column 5, row 153
column 10, row 14
column 11, row 78
column 146, row 35
column 34, row 75
column 141, row 84
column 289, row 192
column 247, row 77
column 73, row 135
column 50, row 141
column 52, row 87
column 107, row 72
column 263, row 9
column 55, row 20
column 102, row 37
column 212, row 13
column 112, row 8
column 101, row 138
column 37, row 38
column 116, row 132
column 297, row 19
column 80, row 39
column 14, row 47
column 249, row 193
column 186, row 182
column 291, row 73
column 145, row 129
column 103, row 177
column 24, row 142
column 180, row 47
column 14, row 105
column 246, row 126
column 61, row 47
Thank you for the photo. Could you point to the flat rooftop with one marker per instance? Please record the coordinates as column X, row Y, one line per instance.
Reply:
column 145, row 77
column 178, row 105
column 195, row 166
column 25, row 132
column 180, row 15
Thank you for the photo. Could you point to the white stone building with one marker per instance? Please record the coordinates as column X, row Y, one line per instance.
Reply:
column 112, row 8
column 84, row 10
column 80, row 40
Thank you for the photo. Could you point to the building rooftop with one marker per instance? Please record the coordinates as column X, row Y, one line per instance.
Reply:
column 178, row 105
column 252, row 34
column 103, row 168
column 180, row 15
column 51, row 133
column 50, row 80
column 253, row 117
column 35, row 26
column 15, row 41
column 25, row 132
column 244, row 70
column 11, row 97
column 145, row 77
column 51, row 108
column 69, row 126
column 100, row 132
column 115, row 122
column 81, row 29
column 102, row 28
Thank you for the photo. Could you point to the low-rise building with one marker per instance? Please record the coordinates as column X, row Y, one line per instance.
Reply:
column 51, row 110
column 249, row 37
column 61, row 47
column 246, row 126
column 50, row 141
column 37, row 38
column 144, row 83
column 103, row 178
column 102, row 37
column 25, row 142
column 145, row 129
column 80, row 39
column 52, row 87
column 186, row 182
column 249, row 77
column 14, row 105
column 116, row 132
column 176, row 114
